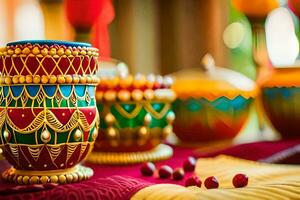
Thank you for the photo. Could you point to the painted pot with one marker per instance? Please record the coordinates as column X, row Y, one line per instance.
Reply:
column 209, row 120
column 256, row 8
column 280, row 97
column 136, row 117
column 49, row 118
column 212, row 103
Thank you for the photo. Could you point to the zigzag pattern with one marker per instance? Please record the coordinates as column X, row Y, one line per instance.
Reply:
column 48, row 118
column 147, row 106
column 80, row 68
column 41, row 92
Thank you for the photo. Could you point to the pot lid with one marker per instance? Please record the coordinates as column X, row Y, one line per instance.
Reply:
column 211, row 82
column 283, row 77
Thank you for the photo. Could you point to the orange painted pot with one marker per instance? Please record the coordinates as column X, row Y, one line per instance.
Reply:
column 255, row 8
column 212, row 104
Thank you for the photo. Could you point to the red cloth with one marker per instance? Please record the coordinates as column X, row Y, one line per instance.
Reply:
column 275, row 152
column 115, row 187
column 121, row 182
column 100, row 33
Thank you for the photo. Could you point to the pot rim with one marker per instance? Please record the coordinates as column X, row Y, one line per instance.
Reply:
column 50, row 42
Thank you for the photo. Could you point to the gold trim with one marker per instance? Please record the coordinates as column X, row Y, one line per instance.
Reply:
column 54, row 51
column 131, row 114
column 161, row 152
column 154, row 113
column 40, row 59
column 47, row 79
column 139, row 105
column 138, row 82
column 46, row 173
column 114, row 96
column 78, row 173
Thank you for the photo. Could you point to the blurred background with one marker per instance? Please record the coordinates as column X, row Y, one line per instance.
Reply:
column 149, row 35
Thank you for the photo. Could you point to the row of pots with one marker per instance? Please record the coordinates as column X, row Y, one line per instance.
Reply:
column 50, row 110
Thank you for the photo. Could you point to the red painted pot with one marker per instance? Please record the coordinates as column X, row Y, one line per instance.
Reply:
column 49, row 117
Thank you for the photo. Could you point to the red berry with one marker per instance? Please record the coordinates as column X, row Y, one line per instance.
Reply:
column 165, row 171
column 240, row 180
column 211, row 182
column 189, row 164
column 178, row 174
column 147, row 169
column 193, row 181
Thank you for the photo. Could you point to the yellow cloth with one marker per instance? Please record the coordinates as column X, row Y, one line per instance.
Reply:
column 266, row 181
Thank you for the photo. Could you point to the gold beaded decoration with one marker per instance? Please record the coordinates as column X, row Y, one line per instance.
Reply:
column 161, row 152
column 23, row 177
column 142, row 92
column 54, row 52
column 143, row 88
column 52, row 79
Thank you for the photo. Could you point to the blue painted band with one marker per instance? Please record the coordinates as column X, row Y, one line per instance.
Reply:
column 49, row 43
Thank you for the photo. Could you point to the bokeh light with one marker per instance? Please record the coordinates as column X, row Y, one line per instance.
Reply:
column 234, row 34
column 29, row 22
column 282, row 42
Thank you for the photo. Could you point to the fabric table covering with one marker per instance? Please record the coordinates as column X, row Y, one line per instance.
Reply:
column 123, row 182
